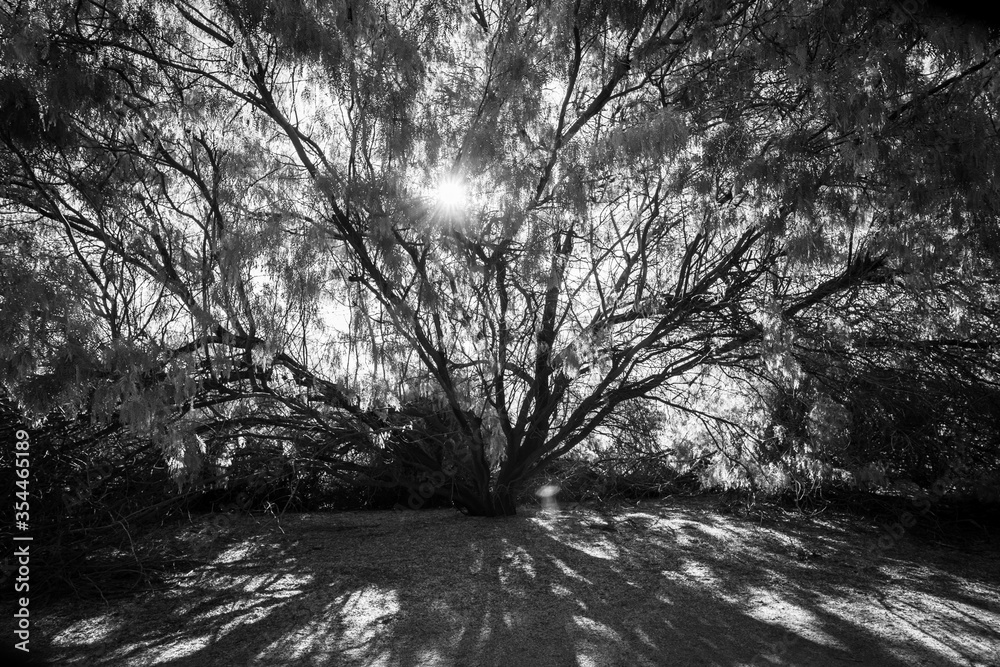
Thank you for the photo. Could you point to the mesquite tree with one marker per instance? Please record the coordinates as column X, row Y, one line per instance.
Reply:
column 300, row 216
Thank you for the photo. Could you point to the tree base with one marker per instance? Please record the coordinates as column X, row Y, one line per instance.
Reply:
column 492, row 503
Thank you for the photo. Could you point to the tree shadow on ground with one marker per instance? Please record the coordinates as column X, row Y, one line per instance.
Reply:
column 654, row 585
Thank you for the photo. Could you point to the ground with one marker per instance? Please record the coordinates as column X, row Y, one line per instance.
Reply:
column 666, row 582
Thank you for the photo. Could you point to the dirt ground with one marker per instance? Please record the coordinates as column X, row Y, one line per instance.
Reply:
column 666, row 582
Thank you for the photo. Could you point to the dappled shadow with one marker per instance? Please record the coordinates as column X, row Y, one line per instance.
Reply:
column 653, row 585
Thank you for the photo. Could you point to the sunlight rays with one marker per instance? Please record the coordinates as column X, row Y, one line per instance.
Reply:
column 450, row 198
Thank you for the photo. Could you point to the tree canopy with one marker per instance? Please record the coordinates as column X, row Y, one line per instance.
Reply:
column 464, row 235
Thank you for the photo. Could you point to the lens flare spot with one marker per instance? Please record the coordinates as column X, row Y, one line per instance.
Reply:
column 451, row 196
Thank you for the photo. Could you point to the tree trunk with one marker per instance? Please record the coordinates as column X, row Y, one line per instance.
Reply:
column 499, row 501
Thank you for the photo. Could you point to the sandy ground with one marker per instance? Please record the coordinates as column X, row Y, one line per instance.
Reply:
column 667, row 582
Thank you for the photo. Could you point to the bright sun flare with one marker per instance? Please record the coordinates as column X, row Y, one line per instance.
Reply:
column 451, row 196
